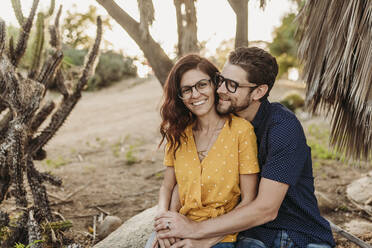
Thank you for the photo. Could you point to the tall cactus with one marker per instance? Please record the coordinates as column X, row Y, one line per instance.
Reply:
column 21, row 139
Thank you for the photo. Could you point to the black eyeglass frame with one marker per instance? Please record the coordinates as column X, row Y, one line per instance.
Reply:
column 210, row 81
column 235, row 85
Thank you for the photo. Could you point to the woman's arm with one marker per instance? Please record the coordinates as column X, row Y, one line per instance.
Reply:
column 248, row 188
column 166, row 189
column 175, row 203
column 165, row 195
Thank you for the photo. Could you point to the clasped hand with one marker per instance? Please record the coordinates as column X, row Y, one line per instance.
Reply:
column 170, row 227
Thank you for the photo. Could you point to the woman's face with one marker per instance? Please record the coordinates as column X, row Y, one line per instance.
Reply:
column 197, row 92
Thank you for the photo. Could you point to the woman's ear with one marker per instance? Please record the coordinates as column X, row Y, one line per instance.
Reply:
column 260, row 91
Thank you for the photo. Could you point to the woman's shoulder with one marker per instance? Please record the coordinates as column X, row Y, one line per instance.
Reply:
column 240, row 124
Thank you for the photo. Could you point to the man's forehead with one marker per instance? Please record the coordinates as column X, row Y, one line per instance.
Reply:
column 234, row 72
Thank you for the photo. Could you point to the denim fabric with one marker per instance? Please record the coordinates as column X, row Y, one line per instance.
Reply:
column 282, row 240
column 224, row 245
column 151, row 240
column 249, row 243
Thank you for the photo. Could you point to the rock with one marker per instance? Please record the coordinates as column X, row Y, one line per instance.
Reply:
column 325, row 202
column 360, row 190
column 107, row 226
column 359, row 227
column 133, row 233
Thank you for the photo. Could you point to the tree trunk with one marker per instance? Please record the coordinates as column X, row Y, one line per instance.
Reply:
column 240, row 8
column 157, row 58
column 186, row 27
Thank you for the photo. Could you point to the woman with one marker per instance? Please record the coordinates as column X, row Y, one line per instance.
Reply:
column 211, row 157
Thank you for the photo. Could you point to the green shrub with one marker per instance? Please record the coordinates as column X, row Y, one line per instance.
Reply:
column 318, row 140
column 293, row 102
column 73, row 57
column 112, row 67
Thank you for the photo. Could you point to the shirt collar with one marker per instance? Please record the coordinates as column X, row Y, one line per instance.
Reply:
column 261, row 113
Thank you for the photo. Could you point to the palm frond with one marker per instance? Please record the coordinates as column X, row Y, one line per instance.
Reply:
column 336, row 51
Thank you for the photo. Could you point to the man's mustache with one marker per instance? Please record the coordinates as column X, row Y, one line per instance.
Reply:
column 223, row 97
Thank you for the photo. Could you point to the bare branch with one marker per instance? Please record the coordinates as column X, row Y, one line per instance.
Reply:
column 348, row 236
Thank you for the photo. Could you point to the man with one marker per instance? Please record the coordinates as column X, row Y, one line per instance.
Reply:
column 285, row 212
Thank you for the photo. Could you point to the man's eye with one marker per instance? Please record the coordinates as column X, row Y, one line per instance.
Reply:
column 230, row 83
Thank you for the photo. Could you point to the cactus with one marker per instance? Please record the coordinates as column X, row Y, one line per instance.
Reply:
column 16, row 4
column 21, row 140
column 37, row 46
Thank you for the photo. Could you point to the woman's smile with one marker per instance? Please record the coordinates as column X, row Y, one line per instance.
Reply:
column 198, row 103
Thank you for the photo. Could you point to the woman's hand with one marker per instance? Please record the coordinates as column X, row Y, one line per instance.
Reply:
column 175, row 225
column 165, row 243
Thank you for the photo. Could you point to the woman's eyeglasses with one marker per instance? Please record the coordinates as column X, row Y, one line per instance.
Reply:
column 202, row 86
column 230, row 84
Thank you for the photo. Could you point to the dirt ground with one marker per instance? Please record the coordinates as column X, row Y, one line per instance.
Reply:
column 106, row 153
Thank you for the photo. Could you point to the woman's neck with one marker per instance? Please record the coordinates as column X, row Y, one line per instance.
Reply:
column 209, row 122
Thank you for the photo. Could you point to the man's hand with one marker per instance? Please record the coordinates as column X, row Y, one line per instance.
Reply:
column 177, row 225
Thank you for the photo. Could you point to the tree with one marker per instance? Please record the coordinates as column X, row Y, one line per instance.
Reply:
column 186, row 27
column 284, row 46
column 23, row 111
column 336, row 50
column 240, row 8
column 75, row 25
column 187, row 30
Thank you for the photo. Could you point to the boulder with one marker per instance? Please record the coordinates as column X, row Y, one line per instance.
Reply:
column 359, row 227
column 360, row 192
column 107, row 226
column 133, row 233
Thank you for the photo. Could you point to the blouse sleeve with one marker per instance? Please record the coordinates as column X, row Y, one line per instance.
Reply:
column 248, row 161
column 168, row 156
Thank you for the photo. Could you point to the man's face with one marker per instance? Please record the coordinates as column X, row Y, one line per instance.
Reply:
column 241, row 99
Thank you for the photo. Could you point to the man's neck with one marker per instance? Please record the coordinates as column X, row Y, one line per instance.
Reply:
column 250, row 112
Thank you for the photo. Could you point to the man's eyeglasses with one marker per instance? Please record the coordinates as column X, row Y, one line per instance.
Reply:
column 230, row 84
column 202, row 86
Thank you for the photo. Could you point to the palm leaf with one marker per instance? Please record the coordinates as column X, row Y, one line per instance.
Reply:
column 336, row 51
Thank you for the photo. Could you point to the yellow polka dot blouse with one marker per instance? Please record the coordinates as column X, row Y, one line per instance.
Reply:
column 210, row 188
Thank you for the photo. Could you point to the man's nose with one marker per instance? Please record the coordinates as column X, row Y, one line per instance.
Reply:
column 222, row 88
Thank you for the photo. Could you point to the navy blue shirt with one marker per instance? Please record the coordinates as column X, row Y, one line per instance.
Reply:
column 285, row 157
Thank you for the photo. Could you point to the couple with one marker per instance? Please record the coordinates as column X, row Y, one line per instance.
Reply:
column 250, row 174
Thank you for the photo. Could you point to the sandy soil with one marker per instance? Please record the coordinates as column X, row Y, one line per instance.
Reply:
column 106, row 153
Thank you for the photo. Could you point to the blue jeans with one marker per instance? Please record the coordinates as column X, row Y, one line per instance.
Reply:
column 224, row 245
column 282, row 240
column 151, row 240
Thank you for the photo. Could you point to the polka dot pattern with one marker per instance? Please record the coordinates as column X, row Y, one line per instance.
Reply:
column 217, row 189
column 285, row 157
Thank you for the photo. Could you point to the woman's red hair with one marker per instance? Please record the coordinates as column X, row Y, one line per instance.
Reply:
column 175, row 115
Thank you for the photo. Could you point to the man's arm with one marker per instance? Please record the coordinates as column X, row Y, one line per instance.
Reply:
column 261, row 210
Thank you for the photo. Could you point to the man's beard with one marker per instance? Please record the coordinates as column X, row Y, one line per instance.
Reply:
column 233, row 107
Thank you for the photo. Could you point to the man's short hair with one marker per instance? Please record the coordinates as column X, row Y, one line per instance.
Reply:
column 261, row 67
